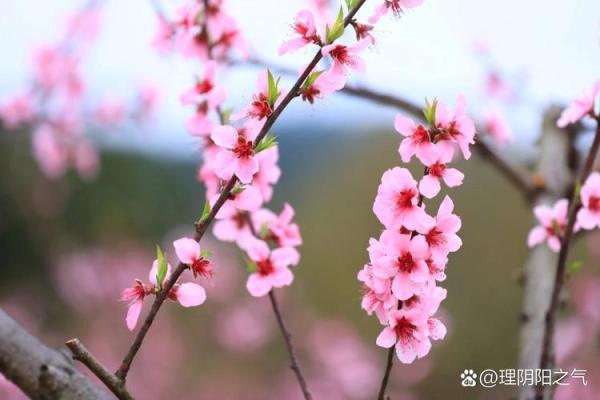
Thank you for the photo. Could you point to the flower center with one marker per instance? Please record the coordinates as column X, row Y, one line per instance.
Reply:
column 404, row 199
column 260, row 107
column 243, row 148
column 309, row 94
column 201, row 266
column 340, row 53
column 437, row 169
column 405, row 330
column 594, row 203
column 435, row 238
column 204, row 86
column 265, row 267
column 405, row 263
column 421, row 135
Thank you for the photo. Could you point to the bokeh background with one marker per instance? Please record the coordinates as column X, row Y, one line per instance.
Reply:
column 70, row 245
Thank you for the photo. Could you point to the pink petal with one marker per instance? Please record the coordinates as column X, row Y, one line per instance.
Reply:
column 281, row 277
column 133, row 313
column 453, row 177
column 429, row 186
column 536, row 236
column 284, row 257
column 225, row 136
column 249, row 199
column 387, row 338
column 190, row 294
column 292, row 45
column 257, row 250
column 405, row 352
column 245, row 168
column 257, row 285
column 403, row 125
column 187, row 250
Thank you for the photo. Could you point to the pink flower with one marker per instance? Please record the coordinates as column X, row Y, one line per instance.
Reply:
column 588, row 217
column 260, row 108
column 268, row 172
column 186, row 294
column 344, row 57
column 397, row 201
column 408, row 331
column 279, row 228
column 304, row 28
column 455, row 126
column 236, row 155
column 403, row 260
column 497, row 126
column 429, row 186
column 17, row 110
column 272, row 268
column 418, row 141
column 206, row 89
column 50, row 154
column 581, row 106
column 110, row 112
column 324, row 85
column 241, row 199
column 442, row 238
column 188, row 251
column 553, row 221
column 396, row 6
column 163, row 38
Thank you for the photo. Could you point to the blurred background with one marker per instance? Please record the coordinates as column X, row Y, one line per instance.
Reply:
column 71, row 243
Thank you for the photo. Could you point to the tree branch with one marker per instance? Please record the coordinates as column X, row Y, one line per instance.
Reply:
column 39, row 371
column 81, row 353
column 559, row 279
column 287, row 337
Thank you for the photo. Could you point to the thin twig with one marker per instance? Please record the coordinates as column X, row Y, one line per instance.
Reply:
column 386, row 375
column 559, row 280
column 287, row 337
column 81, row 353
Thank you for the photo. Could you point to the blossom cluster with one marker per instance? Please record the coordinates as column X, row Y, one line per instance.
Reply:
column 53, row 105
column 553, row 219
column 411, row 254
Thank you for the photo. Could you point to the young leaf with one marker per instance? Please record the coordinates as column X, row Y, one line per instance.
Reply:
column 268, row 141
column 250, row 265
column 575, row 266
column 337, row 29
column 273, row 89
column 205, row 211
column 161, row 272
column 429, row 111
column 312, row 78
column 204, row 253
column 351, row 4
column 226, row 115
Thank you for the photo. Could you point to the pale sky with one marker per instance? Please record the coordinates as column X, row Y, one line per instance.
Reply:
column 554, row 45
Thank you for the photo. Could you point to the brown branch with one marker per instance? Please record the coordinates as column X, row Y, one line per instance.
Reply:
column 559, row 279
column 81, row 353
column 287, row 337
column 519, row 176
column 39, row 371
column 386, row 375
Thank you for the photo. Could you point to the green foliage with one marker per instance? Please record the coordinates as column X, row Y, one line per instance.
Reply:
column 429, row 111
column 161, row 272
column 273, row 88
column 337, row 30
column 268, row 141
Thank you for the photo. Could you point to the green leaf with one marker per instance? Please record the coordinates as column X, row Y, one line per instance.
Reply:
column 161, row 272
column 429, row 111
column 575, row 266
column 351, row 4
column 312, row 78
column 238, row 189
column 273, row 87
column 264, row 231
column 205, row 211
column 577, row 190
column 268, row 141
column 204, row 253
column 338, row 28
column 225, row 115
column 250, row 265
